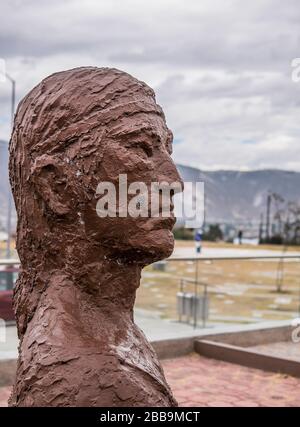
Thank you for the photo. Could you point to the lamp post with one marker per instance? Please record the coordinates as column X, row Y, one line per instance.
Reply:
column 9, row 198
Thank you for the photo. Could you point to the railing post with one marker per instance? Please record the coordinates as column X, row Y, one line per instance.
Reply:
column 195, row 305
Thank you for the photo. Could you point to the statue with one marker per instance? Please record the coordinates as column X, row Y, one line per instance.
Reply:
column 79, row 345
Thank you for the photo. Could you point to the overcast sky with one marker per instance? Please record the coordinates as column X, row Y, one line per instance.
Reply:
column 221, row 69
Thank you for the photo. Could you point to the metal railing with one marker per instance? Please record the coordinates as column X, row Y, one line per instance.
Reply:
column 9, row 261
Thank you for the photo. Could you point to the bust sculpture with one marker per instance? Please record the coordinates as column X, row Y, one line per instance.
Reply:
column 79, row 345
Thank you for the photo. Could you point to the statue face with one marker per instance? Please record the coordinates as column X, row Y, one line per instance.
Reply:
column 138, row 147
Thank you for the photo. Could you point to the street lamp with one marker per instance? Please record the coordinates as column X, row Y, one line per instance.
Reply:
column 9, row 198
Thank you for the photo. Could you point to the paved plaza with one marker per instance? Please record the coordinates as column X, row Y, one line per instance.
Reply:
column 198, row 381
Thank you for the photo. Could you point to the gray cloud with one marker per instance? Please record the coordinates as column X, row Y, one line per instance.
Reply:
column 221, row 70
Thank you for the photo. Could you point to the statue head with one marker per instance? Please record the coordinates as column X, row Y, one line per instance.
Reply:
column 73, row 131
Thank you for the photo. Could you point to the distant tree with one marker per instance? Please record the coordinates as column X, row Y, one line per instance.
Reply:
column 213, row 234
column 182, row 233
column 285, row 221
column 294, row 223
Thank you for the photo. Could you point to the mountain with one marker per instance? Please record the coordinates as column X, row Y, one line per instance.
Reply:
column 230, row 196
column 237, row 197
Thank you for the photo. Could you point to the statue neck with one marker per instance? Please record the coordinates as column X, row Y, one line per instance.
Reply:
column 111, row 285
column 81, row 282
column 107, row 287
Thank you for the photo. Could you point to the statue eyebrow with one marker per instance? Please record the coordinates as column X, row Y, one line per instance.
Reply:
column 134, row 132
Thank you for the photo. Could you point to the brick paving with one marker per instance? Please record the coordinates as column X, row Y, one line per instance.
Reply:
column 4, row 395
column 198, row 381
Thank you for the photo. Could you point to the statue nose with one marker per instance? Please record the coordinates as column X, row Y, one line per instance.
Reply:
column 169, row 174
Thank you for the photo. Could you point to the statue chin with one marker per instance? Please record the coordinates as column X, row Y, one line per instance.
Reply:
column 163, row 242
column 158, row 242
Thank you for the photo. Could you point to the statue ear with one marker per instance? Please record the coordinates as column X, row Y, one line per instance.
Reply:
column 50, row 181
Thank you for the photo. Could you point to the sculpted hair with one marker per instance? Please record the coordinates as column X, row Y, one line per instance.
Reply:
column 65, row 117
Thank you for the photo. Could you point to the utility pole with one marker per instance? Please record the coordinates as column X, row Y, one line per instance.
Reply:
column 269, row 198
column 9, row 196
column 261, row 226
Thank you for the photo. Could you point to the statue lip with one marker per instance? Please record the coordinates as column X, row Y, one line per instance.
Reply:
column 160, row 208
column 167, row 223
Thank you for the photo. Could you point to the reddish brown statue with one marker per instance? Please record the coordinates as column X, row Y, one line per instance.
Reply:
column 79, row 345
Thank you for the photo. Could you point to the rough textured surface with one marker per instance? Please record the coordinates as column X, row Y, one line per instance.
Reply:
column 74, row 298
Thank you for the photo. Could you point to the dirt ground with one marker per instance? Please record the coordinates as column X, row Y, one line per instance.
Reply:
column 238, row 290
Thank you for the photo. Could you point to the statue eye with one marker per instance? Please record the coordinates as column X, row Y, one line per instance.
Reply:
column 143, row 146
column 146, row 148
